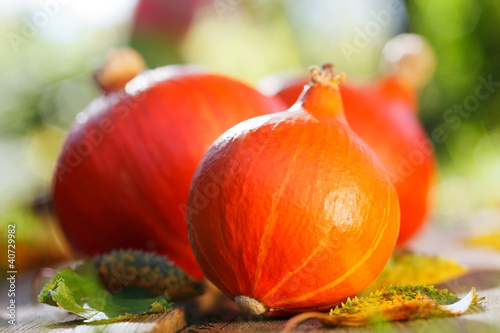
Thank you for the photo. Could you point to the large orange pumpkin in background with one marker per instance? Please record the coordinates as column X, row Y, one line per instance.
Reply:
column 384, row 115
column 123, row 175
column 292, row 212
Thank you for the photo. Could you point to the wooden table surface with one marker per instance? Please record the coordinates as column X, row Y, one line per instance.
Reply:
column 208, row 315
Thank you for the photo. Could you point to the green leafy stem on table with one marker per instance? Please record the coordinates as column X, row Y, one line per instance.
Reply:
column 119, row 285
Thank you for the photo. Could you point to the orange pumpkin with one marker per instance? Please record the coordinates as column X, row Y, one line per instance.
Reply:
column 292, row 212
column 124, row 172
column 384, row 115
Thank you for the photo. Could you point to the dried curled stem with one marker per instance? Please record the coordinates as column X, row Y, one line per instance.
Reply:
column 325, row 75
column 294, row 321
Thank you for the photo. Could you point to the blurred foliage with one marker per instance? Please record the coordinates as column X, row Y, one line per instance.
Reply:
column 465, row 35
column 157, row 52
column 351, row 34
column 38, row 240
column 257, row 42
column 45, row 83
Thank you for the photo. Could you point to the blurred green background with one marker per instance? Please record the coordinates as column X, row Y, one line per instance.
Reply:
column 50, row 48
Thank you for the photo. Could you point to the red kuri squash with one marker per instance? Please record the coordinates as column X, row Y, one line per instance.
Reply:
column 123, row 175
column 292, row 212
column 384, row 115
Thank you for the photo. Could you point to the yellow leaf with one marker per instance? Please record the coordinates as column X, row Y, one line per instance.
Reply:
column 391, row 304
column 417, row 269
column 490, row 240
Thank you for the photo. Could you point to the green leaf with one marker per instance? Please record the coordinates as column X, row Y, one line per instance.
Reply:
column 417, row 269
column 83, row 292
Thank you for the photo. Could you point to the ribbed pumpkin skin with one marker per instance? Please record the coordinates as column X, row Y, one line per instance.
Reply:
column 384, row 116
column 130, row 191
column 293, row 209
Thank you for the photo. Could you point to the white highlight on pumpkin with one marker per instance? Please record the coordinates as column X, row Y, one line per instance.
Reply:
column 153, row 76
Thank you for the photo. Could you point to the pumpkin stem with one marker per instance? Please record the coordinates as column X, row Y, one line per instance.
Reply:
column 121, row 66
column 411, row 59
column 321, row 97
column 250, row 305
column 325, row 76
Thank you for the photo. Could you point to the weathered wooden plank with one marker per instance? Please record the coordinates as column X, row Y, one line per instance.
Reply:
column 215, row 318
column 43, row 318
